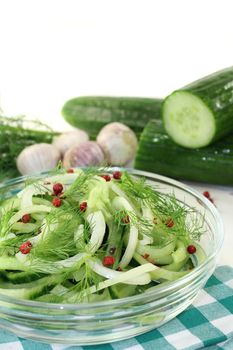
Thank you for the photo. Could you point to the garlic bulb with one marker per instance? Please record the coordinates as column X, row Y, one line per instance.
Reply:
column 118, row 142
column 68, row 139
column 37, row 158
column 86, row 154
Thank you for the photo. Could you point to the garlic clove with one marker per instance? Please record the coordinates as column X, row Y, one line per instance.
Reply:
column 36, row 158
column 118, row 142
column 87, row 154
column 68, row 139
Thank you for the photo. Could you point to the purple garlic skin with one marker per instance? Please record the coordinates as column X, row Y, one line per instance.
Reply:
column 69, row 139
column 88, row 153
column 118, row 142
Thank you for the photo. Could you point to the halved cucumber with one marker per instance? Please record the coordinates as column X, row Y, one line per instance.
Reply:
column 188, row 121
column 158, row 153
column 202, row 112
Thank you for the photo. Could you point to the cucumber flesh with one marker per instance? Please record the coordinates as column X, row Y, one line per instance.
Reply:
column 188, row 120
column 121, row 290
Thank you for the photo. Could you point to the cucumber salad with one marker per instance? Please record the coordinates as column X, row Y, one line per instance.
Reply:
column 94, row 235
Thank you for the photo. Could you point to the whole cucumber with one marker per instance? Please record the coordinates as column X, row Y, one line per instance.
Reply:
column 91, row 113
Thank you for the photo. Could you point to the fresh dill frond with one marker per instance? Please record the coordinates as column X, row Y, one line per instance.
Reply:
column 169, row 205
column 89, row 279
column 165, row 207
column 82, row 240
column 4, row 222
column 58, row 242
column 79, row 188
column 137, row 188
column 195, row 225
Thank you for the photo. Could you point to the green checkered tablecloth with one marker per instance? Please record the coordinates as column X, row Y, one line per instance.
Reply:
column 207, row 324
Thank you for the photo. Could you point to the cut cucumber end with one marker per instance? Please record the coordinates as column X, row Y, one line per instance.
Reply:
column 188, row 120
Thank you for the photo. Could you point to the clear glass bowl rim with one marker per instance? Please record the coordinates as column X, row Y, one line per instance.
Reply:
column 160, row 289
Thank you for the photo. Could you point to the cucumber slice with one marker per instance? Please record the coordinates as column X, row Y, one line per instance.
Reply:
column 159, row 255
column 20, row 227
column 121, row 290
column 50, row 298
column 22, row 277
column 188, row 120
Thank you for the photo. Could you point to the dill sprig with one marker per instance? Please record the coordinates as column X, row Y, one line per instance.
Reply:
column 90, row 278
column 79, row 188
column 137, row 189
column 195, row 225
column 164, row 207
column 187, row 222
column 58, row 242
column 4, row 222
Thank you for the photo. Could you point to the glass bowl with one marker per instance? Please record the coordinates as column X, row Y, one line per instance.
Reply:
column 103, row 322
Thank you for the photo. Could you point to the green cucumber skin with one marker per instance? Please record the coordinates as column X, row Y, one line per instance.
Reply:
column 216, row 91
column 91, row 113
column 158, row 153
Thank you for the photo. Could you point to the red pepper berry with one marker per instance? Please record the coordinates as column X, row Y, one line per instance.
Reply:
column 83, row 206
column 108, row 260
column 57, row 202
column 191, row 249
column 57, row 188
column 25, row 248
column 206, row 194
column 70, row 171
column 106, row 177
column 117, row 175
column 126, row 219
column 146, row 256
column 26, row 218
column 169, row 223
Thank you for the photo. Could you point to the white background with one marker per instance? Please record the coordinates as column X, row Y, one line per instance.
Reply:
column 51, row 51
